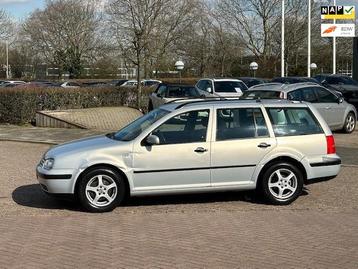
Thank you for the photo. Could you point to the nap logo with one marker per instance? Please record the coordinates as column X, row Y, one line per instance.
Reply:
column 338, row 12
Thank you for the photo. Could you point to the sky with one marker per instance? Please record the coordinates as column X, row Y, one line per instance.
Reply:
column 19, row 9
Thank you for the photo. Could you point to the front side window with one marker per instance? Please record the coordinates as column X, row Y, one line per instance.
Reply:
column 325, row 96
column 161, row 91
column 295, row 95
column 188, row 127
column 240, row 123
column 293, row 121
column 201, row 85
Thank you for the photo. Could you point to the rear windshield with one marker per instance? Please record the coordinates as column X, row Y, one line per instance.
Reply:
column 229, row 86
column 261, row 95
column 293, row 121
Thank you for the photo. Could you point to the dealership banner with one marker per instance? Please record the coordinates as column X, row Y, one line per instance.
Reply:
column 337, row 30
column 338, row 13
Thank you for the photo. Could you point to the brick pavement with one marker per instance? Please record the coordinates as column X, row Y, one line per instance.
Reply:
column 223, row 230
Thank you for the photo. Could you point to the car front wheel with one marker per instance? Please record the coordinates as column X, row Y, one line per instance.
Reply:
column 282, row 183
column 350, row 123
column 101, row 190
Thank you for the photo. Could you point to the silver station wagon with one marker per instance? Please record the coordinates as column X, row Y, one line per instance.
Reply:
column 274, row 146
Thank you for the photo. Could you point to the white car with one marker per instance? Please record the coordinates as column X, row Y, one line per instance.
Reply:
column 70, row 85
column 222, row 87
column 275, row 146
column 130, row 83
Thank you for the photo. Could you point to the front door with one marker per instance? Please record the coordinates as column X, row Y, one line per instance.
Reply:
column 181, row 160
column 241, row 142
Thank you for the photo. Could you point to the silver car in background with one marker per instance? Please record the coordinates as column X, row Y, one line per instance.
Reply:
column 166, row 93
column 339, row 114
column 197, row 146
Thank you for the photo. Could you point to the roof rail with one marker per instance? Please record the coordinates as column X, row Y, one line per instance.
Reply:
column 266, row 84
column 206, row 99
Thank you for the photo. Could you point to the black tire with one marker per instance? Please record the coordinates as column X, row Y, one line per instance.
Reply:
column 150, row 106
column 350, row 119
column 108, row 176
column 285, row 170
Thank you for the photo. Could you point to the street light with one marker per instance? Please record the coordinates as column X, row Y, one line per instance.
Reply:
column 254, row 66
column 179, row 65
column 313, row 66
column 7, row 59
column 283, row 39
column 309, row 66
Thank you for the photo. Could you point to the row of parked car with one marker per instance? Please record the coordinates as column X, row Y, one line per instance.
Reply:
column 72, row 84
column 334, row 96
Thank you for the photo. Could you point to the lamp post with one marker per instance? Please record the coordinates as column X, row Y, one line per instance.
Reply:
column 313, row 67
column 7, row 59
column 254, row 66
column 309, row 41
column 179, row 65
column 283, row 39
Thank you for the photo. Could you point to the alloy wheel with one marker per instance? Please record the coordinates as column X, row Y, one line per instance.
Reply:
column 282, row 184
column 101, row 190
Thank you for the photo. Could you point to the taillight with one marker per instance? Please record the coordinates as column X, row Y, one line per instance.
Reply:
column 331, row 147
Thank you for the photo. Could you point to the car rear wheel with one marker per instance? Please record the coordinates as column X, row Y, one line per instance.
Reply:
column 350, row 123
column 282, row 183
column 101, row 190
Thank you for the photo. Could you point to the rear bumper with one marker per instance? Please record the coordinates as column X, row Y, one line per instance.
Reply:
column 324, row 170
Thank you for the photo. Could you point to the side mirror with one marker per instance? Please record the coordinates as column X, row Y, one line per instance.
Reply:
column 209, row 89
column 340, row 100
column 152, row 140
column 159, row 95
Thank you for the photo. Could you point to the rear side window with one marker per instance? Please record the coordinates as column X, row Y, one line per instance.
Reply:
column 240, row 123
column 293, row 121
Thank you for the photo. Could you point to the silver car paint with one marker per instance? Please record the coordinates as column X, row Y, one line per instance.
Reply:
column 333, row 113
column 75, row 157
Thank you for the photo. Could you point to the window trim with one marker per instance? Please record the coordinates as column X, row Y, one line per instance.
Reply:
column 264, row 116
column 314, row 118
column 208, row 129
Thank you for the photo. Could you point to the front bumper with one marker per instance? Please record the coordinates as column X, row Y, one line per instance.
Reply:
column 56, row 181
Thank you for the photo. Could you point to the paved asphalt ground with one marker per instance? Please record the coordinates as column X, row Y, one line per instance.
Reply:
column 225, row 230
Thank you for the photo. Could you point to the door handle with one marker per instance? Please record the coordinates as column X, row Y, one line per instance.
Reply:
column 263, row 145
column 200, row 150
column 327, row 107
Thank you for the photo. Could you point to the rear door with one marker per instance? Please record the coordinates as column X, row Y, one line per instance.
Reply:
column 333, row 109
column 240, row 141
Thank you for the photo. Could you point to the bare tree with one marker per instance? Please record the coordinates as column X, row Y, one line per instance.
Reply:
column 255, row 22
column 132, row 22
column 66, row 33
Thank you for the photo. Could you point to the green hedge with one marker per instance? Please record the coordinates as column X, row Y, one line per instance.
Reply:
column 19, row 105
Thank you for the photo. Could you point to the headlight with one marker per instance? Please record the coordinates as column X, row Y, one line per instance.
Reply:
column 47, row 163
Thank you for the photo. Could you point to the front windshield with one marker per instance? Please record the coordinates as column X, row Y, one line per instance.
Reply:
column 135, row 128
